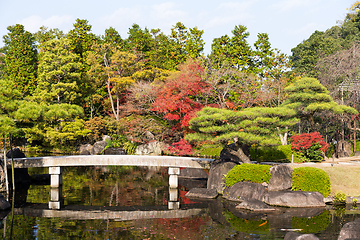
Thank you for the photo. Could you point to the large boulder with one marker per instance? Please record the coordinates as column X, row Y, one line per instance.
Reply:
column 294, row 199
column 202, row 193
column 152, row 148
column 192, row 173
column 241, row 191
column 22, row 176
column 216, row 179
column 4, row 204
column 350, row 230
column 85, row 149
column 281, row 178
column 98, row 147
column 114, row 151
column 298, row 236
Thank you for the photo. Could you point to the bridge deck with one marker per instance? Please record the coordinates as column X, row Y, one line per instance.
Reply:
column 112, row 160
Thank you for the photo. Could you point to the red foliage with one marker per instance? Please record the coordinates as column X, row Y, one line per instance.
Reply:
column 180, row 97
column 305, row 141
column 181, row 148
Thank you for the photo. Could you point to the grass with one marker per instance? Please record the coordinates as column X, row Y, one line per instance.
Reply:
column 343, row 178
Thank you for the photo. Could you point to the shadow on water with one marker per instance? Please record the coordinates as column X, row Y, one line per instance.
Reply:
column 119, row 204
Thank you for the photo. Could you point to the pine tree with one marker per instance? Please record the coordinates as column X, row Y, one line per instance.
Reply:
column 258, row 125
column 21, row 58
column 307, row 96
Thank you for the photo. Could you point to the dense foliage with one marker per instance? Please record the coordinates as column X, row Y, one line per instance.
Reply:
column 60, row 89
column 279, row 153
column 310, row 145
column 312, row 180
column 248, row 173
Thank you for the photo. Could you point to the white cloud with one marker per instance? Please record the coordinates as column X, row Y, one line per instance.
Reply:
column 232, row 13
column 167, row 11
column 123, row 18
column 166, row 15
column 34, row 22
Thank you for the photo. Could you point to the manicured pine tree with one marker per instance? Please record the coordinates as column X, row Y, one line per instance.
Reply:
column 258, row 125
column 307, row 96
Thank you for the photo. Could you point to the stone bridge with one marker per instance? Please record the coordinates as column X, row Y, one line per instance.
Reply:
column 57, row 163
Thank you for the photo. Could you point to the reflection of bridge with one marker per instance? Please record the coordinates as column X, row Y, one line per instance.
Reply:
column 115, row 213
column 57, row 163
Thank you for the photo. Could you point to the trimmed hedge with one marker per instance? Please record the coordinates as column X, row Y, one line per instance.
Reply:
column 248, row 173
column 311, row 179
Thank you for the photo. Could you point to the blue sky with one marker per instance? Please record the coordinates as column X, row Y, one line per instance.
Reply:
column 288, row 22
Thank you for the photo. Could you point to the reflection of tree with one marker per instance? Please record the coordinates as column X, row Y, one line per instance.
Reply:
column 247, row 225
column 312, row 225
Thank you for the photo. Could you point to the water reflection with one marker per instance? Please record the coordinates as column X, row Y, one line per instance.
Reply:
column 116, row 209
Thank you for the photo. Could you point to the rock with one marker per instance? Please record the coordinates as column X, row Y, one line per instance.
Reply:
column 281, row 178
column 98, row 147
column 152, row 148
column 192, row 173
column 216, row 178
column 106, row 138
column 298, row 236
column 343, row 149
column 85, row 149
column 255, row 205
column 21, row 174
column 202, row 193
column 329, row 200
column 235, row 152
column 149, row 136
column 17, row 153
column 350, row 230
column 3, row 203
column 294, row 199
column 241, row 191
column 352, row 200
column 190, row 183
column 114, row 151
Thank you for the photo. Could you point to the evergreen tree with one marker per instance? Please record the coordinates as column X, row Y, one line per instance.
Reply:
column 258, row 125
column 59, row 72
column 307, row 96
column 21, row 58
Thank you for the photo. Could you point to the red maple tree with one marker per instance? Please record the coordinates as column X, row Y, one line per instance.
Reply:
column 180, row 97
column 305, row 140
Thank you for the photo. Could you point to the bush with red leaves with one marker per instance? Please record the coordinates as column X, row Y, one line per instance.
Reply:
column 310, row 145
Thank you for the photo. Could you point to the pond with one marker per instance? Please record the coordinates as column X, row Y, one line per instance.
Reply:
column 133, row 203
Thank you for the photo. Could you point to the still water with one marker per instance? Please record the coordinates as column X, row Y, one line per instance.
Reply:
column 133, row 203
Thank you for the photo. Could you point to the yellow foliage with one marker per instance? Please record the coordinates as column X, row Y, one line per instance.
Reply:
column 355, row 6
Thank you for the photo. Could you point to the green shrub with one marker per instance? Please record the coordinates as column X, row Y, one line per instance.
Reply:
column 210, row 150
column 340, row 198
column 248, row 173
column 280, row 153
column 312, row 180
